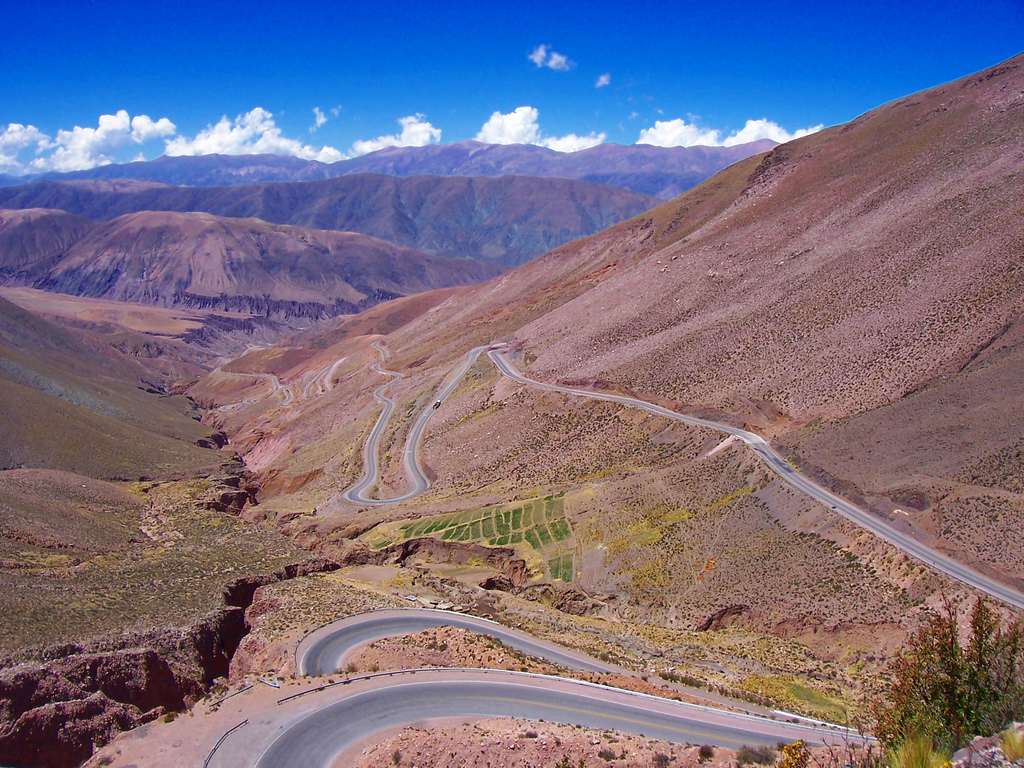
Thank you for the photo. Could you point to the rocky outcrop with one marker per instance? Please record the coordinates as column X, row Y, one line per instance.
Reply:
column 513, row 569
column 65, row 733
column 723, row 618
column 73, row 698
column 53, row 713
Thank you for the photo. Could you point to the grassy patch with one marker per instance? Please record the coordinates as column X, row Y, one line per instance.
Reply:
column 538, row 525
column 797, row 695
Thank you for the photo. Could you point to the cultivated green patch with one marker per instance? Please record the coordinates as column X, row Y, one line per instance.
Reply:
column 537, row 528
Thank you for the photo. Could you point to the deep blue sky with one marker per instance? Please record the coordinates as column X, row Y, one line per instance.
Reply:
column 63, row 65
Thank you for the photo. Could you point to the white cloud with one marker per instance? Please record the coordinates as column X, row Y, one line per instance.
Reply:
column 319, row 119
column 144, row 129
column 573, row 143
column 83, row 148
column 254, row 133
column 15, row 138
column 520, row 127
column 558, row 62
column 679, row 133
column 543, row 56
column 517, row 127
column 766, row 129
column 603, row 80
column 416, row 132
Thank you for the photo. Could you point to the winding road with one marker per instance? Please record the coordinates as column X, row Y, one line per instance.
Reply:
column 785, row 470
column 318, row 738
column 776, row 463
column 411, row 458
column 324, row 651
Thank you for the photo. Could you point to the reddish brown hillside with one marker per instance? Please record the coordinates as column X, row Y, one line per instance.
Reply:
column 36, row 236
column 856, row 295
column 837, row 273
column 207, row 262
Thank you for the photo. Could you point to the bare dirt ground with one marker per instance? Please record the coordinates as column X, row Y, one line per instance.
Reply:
column 158, row 321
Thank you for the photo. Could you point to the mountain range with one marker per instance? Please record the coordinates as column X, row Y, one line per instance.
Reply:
column 506, row 221
column 659, row 171
column 207, row 262
column 854, row 296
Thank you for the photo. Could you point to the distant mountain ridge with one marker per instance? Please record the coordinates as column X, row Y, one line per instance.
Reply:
column 663, row 172
column 201, row 261
column 505, row 221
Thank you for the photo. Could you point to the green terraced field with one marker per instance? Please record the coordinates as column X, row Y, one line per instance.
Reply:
column 537, row 523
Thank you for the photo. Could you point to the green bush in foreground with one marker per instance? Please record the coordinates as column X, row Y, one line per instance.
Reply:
column 947, row 689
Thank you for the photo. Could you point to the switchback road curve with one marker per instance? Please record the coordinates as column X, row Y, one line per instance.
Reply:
column 783, row 469
column 323, row 651
column 411, row 458
column 318, row 738
column 757, row 444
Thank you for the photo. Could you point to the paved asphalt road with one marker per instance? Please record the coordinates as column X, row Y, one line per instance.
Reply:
column 784, row 470
column 323, row 651
column 411, row 457
column 319, row 737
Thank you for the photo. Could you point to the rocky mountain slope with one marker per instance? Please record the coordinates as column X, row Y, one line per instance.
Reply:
column 856, row 293
column 660, row 171
column 242, row 265
column 854, row 296
column 505, row 221
column 36, row 237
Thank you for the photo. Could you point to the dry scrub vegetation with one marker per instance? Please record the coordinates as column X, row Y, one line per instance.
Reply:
column 104, row 558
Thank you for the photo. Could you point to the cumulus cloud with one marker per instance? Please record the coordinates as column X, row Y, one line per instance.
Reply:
column 15, row 138
column 543, row 56
column 573, row 143
column 517, row 127
column 679, row 133
column 83, row 148
column 766, row 129
column 144, row 129
column 319, row 119
column 603, row 80
column 416, row 132
column 520, row 127
column 254, row 133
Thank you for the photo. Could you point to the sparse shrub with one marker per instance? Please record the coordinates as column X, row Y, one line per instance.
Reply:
column 917, row 751
column 607, row 755
column 530, row 734
column 351, row 668
column 795, row 755
column 396, row 757
column 705, row 753
column 1012, row 741
column 761, row 754
column 661, row 760
column 948, row 690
